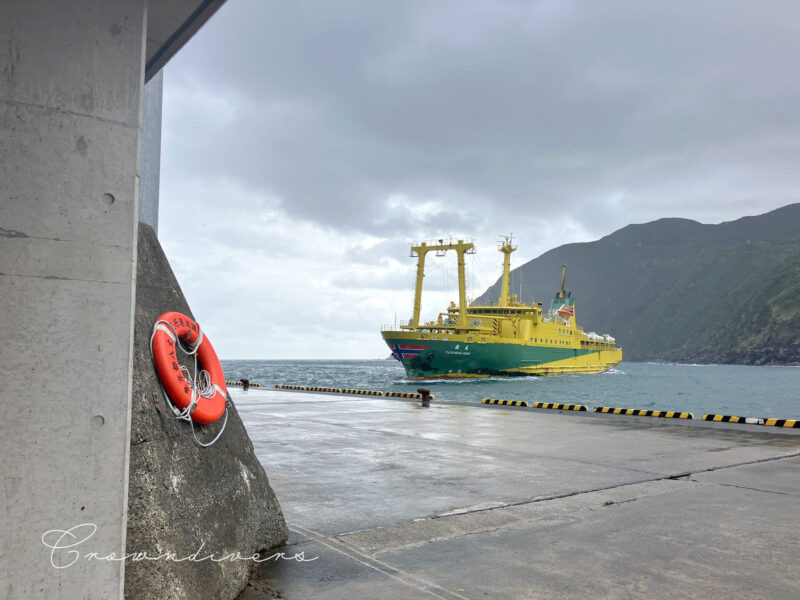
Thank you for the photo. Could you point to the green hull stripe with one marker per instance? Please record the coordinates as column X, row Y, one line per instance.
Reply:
column 443, row 358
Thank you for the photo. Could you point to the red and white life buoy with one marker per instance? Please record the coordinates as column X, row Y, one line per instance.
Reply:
column 209, row 404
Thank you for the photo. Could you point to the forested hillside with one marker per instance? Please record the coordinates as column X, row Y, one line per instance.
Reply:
column 678, row 290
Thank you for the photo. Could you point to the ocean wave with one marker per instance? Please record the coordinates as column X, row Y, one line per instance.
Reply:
column 469, row 380
column 729, row 389
column 681, row 364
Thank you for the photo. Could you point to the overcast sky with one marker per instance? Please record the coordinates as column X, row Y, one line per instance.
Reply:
column 305, row 144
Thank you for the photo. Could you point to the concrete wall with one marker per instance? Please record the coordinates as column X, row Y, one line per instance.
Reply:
column 70, row 96
column 151, row 151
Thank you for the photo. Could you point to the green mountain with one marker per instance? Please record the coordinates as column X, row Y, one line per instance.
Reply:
column 679, row 290
column 766, row 330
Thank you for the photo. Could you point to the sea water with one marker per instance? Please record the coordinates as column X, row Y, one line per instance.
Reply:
column 720, row 389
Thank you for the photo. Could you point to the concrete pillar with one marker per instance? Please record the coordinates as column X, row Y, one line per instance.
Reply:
column 151, row 151
column 70, row 95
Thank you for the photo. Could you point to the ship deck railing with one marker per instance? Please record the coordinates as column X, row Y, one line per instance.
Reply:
column 438, row 329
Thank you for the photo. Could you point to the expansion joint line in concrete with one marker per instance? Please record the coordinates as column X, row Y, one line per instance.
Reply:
column 673, row 477
column 55, row 277
column 63, row 111
column 749, row 462
column 752, row 489
column 430, row 589
column 14, row 234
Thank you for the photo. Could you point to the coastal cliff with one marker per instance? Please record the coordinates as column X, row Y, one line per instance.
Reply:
column 183, row 498
column 678, row 290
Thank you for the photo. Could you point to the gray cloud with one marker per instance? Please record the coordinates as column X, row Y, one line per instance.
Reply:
column 336, row 106
column 558, row 120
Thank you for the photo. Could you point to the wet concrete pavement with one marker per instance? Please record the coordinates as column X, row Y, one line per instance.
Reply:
column 471, row 501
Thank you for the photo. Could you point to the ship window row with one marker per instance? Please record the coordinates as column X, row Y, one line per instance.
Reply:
column 544, row 341
column 499, row 311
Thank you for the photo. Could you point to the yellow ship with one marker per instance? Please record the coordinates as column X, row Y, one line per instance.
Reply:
column 507, row 339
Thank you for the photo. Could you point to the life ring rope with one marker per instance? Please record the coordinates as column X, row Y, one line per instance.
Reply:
column 201, row 384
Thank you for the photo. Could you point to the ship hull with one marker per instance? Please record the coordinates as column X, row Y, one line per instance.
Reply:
column 455, row 357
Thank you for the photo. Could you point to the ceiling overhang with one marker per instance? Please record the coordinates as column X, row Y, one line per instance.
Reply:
column 170, row 24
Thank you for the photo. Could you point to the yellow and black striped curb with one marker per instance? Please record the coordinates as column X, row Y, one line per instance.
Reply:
column 577, row 407
column 664, row 414
column 280, row 386
column 794, row 423
column 504, row 402
column 404, row 395
column 240, row 383
column 305, row 388
column 732, row 419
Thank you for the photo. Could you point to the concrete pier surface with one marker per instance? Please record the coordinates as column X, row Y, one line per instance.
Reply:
column 396, row 501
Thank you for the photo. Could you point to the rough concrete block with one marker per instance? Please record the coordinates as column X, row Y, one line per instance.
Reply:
column 183, row 497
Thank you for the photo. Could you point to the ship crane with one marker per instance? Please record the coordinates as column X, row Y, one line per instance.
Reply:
column 461, row 247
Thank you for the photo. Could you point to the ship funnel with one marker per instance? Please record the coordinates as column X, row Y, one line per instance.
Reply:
column 560, row 294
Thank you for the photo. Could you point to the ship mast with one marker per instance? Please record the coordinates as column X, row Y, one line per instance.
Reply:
column 505, row 287
column 461, row 247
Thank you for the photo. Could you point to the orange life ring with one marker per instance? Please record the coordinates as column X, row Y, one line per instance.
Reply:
column 180, row 392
